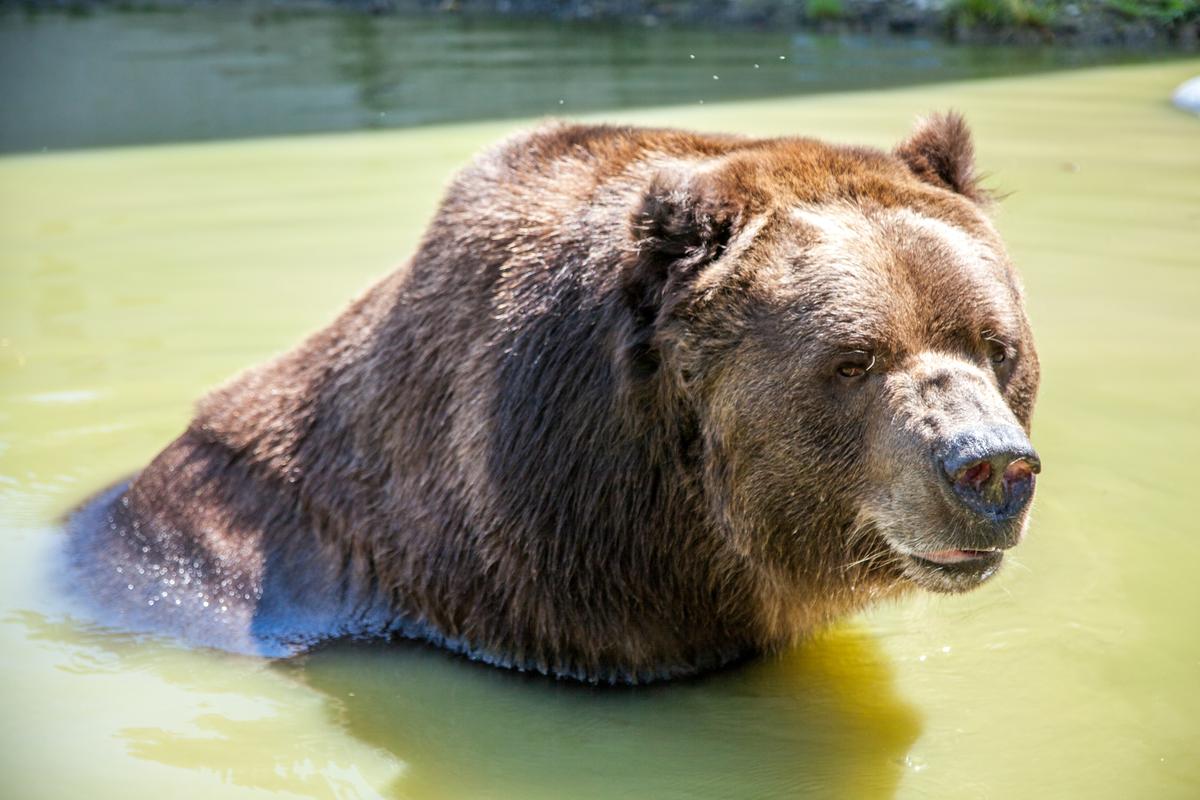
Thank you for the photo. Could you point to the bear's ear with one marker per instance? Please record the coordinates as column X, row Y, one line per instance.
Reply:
column 681, row 224
column 940, row 151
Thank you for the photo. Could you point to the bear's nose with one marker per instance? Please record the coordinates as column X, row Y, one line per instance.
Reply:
column 991, row 470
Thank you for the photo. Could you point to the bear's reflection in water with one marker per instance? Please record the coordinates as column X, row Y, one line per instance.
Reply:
column 822, row 720
column 410, row 721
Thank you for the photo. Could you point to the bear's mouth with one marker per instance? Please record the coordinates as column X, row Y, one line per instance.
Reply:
column 952, row 570
column 947, row 557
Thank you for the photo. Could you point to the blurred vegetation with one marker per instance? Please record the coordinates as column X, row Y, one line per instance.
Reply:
column 824, row 10
column 1071, row 21
column 1159, row 10
column 1048, row 14
column 1001, row 13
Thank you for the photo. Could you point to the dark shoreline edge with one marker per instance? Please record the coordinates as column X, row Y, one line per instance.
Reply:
column 1170, row 24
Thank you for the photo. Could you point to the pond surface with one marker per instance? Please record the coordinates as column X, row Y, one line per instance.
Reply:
column 126, row 78
column 133, row 280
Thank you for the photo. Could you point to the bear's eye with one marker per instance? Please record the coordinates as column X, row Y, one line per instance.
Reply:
column 849, row 370
column 998, row 351
column 855, row 365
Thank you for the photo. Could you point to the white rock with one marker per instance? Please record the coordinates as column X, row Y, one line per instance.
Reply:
column 1187, row 96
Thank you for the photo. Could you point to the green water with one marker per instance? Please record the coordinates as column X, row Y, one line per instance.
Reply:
column 135, row 279
column 224, row 70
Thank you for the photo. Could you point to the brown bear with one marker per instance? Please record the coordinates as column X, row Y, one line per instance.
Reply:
column 642, row 403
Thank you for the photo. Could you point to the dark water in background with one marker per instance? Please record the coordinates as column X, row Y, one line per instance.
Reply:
column 118, row 78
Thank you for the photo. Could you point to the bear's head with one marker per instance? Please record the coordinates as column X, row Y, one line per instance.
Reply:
column 846, row 329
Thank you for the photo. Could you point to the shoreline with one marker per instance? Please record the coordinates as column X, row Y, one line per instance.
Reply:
column 1165, row 24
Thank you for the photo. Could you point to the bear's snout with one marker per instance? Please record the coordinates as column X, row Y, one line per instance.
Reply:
column 990, row 470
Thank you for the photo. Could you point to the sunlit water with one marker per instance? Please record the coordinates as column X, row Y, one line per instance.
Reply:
column 227, row 71
column 135, row 279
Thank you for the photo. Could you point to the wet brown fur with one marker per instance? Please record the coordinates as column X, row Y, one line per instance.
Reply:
column 590, row 428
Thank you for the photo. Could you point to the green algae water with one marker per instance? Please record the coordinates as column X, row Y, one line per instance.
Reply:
column 133, row 280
